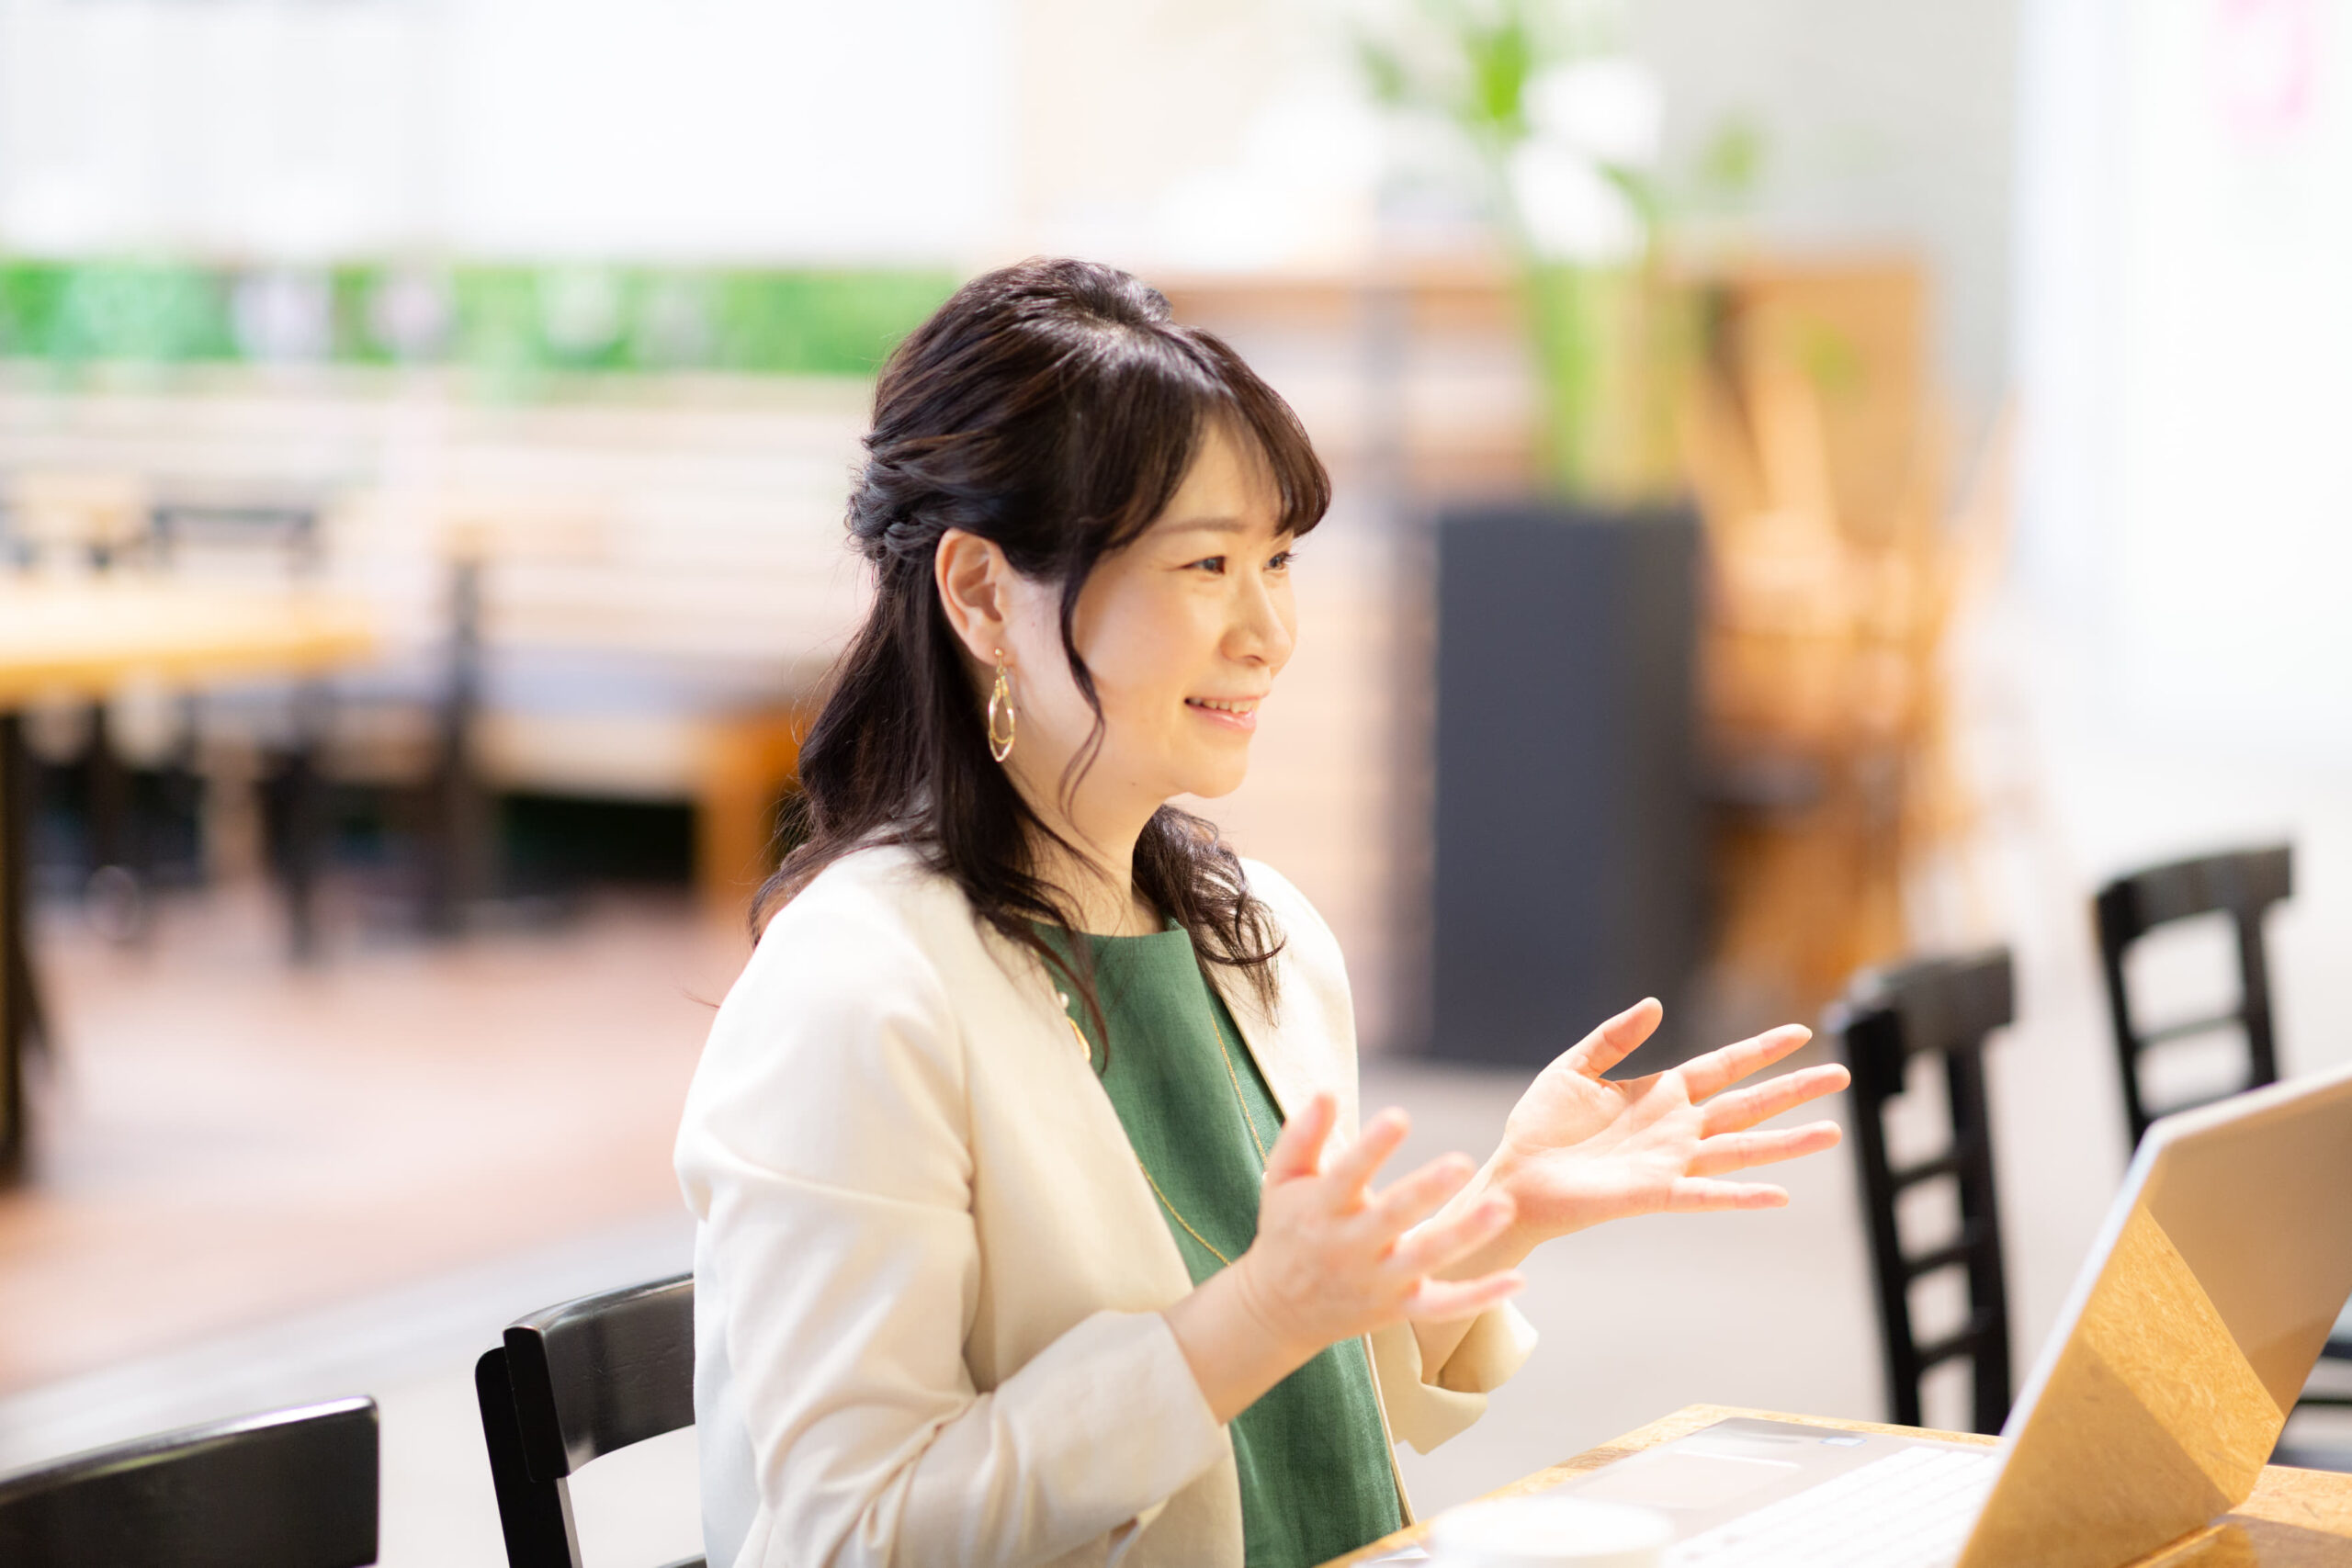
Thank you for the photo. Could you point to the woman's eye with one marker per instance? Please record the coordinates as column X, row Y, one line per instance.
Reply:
column 1212, row 564
column 1281, row 560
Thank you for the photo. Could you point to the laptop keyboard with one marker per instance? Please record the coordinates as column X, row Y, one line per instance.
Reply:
column 1911, row 1509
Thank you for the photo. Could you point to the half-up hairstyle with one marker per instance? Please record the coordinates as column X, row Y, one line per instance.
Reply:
column 1053, row 409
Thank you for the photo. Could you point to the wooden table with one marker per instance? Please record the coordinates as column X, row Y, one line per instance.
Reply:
column 85, row 638
column 2296, row 1519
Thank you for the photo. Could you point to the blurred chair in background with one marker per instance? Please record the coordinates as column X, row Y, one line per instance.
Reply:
column 460, row 867
column 1836, row 570
column 550, row 689
column 2242, row 884
column 129, row 777
column 245, row 539
column 1940, row 1010
column 71, row 523
column 289, row 1489
column 570, row 1385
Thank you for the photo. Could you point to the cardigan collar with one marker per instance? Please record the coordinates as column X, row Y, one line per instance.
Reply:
column 1288, row 1078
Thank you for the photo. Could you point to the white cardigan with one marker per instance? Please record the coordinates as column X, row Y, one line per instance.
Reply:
column 929, row 1274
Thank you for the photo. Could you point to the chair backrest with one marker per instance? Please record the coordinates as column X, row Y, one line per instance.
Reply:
column 1943, row 1008
column 289, row 1489
column 283, row 533
column 573, row 1383
column 2243, row 884
column 94, row 515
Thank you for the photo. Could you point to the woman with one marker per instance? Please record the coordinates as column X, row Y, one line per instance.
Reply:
column 1018, row 1245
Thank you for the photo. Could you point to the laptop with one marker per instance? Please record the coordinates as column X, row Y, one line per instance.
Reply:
column 2219, row 1273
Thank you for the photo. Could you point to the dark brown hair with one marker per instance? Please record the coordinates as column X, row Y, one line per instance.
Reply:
column 1051, row 408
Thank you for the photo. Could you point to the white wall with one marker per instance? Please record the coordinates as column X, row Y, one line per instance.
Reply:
column 1887, row 123
column 701, row 129
column 2187, row 335
column 724, row 128
column 247, row 126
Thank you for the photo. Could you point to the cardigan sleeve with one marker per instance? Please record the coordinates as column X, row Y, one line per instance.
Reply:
column 825, row 1151
column 1426, row 1405
column 1425, row 1410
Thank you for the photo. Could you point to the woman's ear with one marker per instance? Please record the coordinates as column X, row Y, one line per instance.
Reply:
column 974, row 581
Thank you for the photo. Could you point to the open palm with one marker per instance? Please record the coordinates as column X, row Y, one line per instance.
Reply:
column 1580, row 1148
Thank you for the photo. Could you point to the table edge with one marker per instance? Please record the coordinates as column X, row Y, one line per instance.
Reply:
column 1681, row 1423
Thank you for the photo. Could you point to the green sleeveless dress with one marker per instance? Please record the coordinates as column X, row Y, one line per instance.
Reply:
column 1315, row 1480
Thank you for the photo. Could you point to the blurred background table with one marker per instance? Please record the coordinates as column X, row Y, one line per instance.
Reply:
column 2296, row 1519
column 87, row 637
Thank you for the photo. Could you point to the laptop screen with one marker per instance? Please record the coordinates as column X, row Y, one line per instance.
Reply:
column 2155, row 1404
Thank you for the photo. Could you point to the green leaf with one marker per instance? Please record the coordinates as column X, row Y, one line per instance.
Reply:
column 1383, row 72
column 1502, row 59
column 1732, row 160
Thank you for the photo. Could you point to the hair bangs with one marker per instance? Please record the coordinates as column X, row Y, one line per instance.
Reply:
column 1301, row 482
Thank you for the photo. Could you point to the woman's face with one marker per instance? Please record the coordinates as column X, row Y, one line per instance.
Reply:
column 1183, row 631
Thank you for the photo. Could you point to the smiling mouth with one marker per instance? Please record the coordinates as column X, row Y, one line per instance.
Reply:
column 1237, row 715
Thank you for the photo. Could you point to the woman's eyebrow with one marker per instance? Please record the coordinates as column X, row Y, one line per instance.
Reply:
column 1207, row 525
column 1220, row 525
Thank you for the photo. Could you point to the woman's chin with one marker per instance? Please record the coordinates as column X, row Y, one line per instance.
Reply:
column 1215, row 783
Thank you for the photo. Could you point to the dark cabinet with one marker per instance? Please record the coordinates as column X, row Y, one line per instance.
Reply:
column 1569, row 862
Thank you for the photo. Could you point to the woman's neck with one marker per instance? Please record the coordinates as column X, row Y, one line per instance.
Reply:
column 1092, row 867
column 1099, row 892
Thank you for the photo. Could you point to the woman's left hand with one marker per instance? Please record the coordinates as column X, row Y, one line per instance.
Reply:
column 1579, row 1148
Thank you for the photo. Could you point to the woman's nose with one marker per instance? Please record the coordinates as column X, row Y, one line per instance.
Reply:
column 1263, row 632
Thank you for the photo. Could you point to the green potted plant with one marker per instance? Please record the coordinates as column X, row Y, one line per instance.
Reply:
column 1563, row 128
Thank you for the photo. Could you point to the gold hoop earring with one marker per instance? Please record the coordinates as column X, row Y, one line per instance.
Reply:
column 1001, row 702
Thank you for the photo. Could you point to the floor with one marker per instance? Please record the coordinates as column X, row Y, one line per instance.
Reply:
column 223, row 1138
column 258, row 1186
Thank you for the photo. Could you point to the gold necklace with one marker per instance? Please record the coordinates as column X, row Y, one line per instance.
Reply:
column 1232, row 1077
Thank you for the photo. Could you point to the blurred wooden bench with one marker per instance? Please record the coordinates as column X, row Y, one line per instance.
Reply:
column 750, row 760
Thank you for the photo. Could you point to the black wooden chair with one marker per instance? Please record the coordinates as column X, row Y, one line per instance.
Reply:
column 2243, row 884
column 574, row 1383
column 289, row 1489
column 1944, row 1008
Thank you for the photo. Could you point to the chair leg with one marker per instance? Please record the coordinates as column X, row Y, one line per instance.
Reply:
column 459, row 868
column 107, row 794
column 19, row 1013
column 535, row 1516
column 306, row 825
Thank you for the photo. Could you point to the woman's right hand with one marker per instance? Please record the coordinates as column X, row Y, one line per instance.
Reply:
column 1333, row 1259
